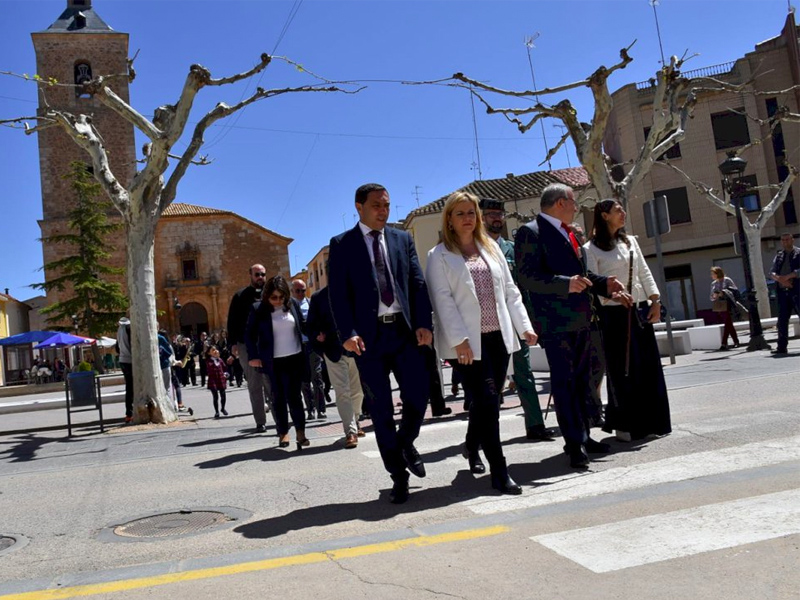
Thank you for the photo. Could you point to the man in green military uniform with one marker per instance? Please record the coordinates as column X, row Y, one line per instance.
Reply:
column 494, row 216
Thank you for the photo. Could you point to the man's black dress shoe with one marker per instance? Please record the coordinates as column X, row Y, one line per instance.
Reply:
column 414, row 461
column 506, row 486
column 578, row 459
column 594, row 447
column 261, row 428
column 399, row 493
column 445, row 411
column 475, row 463
column 540, row 433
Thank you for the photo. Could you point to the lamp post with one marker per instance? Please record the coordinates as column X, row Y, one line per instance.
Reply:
column 177, row 306
column 732, row 169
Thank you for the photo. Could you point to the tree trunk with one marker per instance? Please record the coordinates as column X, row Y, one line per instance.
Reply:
column 753, row 235
column 151, row 403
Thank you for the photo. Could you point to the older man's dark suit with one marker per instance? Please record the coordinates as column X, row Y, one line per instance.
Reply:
column 545, row 263
column 355, row 298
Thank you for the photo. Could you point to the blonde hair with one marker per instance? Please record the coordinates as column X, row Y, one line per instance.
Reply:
column 449, row 237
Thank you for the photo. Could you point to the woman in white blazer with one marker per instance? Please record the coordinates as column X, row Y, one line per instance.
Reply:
column 638, row 405
column 478, row 320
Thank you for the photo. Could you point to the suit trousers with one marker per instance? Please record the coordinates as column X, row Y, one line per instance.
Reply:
column 484, row 380
column 526, row 387
column 286, row 380
column 569, row 355
column 788, row 301
column 349, row 395
column 314, row 390
column 258, row 386
column 394, row 350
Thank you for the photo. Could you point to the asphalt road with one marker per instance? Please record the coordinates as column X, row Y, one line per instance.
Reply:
column 711, row 511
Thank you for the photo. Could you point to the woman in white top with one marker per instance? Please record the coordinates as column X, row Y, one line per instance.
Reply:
column 274, row 342
column 478, row 320
column 637, row 394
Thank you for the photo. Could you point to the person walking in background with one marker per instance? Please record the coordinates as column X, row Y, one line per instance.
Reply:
column 638, row 405
column 551, row 268
column 313, row 391
column 217, row 380
column 478, row 318
column 238, row 313
column 724, row 294
column 494, row 217
column 784, row 272
column 273, row 335
column 382, row 313
column 341, row 365
column 199, row 349
column 126, row 364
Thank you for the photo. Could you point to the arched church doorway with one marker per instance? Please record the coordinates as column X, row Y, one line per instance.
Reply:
column 194, row 319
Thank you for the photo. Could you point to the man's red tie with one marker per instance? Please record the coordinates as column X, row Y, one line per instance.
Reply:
column 572, row 239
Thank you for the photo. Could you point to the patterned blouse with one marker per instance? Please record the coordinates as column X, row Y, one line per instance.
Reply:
column 484, row 287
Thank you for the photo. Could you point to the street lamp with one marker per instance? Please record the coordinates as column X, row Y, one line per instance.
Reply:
column 732, row 170
column 75, row 323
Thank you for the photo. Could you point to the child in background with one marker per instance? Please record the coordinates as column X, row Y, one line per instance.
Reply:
column 217, row 381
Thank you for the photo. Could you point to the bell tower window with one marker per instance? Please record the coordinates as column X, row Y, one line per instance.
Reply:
column 83, row 74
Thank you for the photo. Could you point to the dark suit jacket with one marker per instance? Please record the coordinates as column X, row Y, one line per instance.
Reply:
column 241, row 303
column 260, row 341
column 353, row 284
column 320, row 320
column 794, row 262
column 545, row 263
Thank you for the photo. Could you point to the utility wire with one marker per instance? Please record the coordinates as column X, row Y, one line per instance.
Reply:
column 226, row 128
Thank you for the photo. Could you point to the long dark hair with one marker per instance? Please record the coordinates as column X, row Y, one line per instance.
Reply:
column 276, row 284
column 601, row 234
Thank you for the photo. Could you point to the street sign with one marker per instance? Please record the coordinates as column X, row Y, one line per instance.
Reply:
column 656, row 212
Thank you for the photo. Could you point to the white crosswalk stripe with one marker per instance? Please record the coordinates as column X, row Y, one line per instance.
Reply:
column 645, row 540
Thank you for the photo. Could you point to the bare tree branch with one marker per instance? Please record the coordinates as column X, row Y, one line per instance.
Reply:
column 767, row 212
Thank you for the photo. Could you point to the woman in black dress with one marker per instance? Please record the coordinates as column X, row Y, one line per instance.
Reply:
column 637, row 394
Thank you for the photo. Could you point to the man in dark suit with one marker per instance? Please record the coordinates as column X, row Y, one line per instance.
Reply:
column 551, row 267
column 382, row 313
column 784, row 271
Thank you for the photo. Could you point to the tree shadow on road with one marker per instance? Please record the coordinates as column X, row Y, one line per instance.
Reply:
column 26, row 447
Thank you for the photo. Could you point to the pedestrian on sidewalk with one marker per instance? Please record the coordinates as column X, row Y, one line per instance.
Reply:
column 724, row 294
column 217, row 380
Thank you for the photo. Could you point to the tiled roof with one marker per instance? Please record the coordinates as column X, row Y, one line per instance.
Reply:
column 66, row 22
column 515, row 187
column 181, row 209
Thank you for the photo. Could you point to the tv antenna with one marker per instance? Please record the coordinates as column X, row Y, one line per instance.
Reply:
column 529, row 45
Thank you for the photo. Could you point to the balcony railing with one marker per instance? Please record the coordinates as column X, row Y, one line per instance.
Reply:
column 727, row 69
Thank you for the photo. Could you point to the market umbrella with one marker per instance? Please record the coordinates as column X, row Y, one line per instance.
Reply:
column 63, row 339
column 29, row 337
column 106, row 342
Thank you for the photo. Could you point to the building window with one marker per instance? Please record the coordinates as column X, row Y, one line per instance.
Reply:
column 189, row 269
column 730, row 129
column 677, row 203
column 674, row 152
column 83, row 74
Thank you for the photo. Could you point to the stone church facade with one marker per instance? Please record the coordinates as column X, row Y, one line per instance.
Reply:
column 202, row 254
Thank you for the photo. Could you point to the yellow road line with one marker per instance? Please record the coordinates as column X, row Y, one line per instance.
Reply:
column 259, row 565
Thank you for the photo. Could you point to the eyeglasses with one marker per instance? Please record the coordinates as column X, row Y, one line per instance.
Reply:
column 261, row 274
column 299, row 290
column 494, row 214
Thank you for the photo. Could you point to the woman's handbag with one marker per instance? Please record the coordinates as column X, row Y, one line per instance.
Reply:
column 719, row 305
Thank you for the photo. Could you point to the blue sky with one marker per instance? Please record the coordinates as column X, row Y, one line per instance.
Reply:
column 292, row 163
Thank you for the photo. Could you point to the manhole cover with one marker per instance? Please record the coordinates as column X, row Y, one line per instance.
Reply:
column 6, row 542
column 172, row 524
column 11, row 542
column 180, row 522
